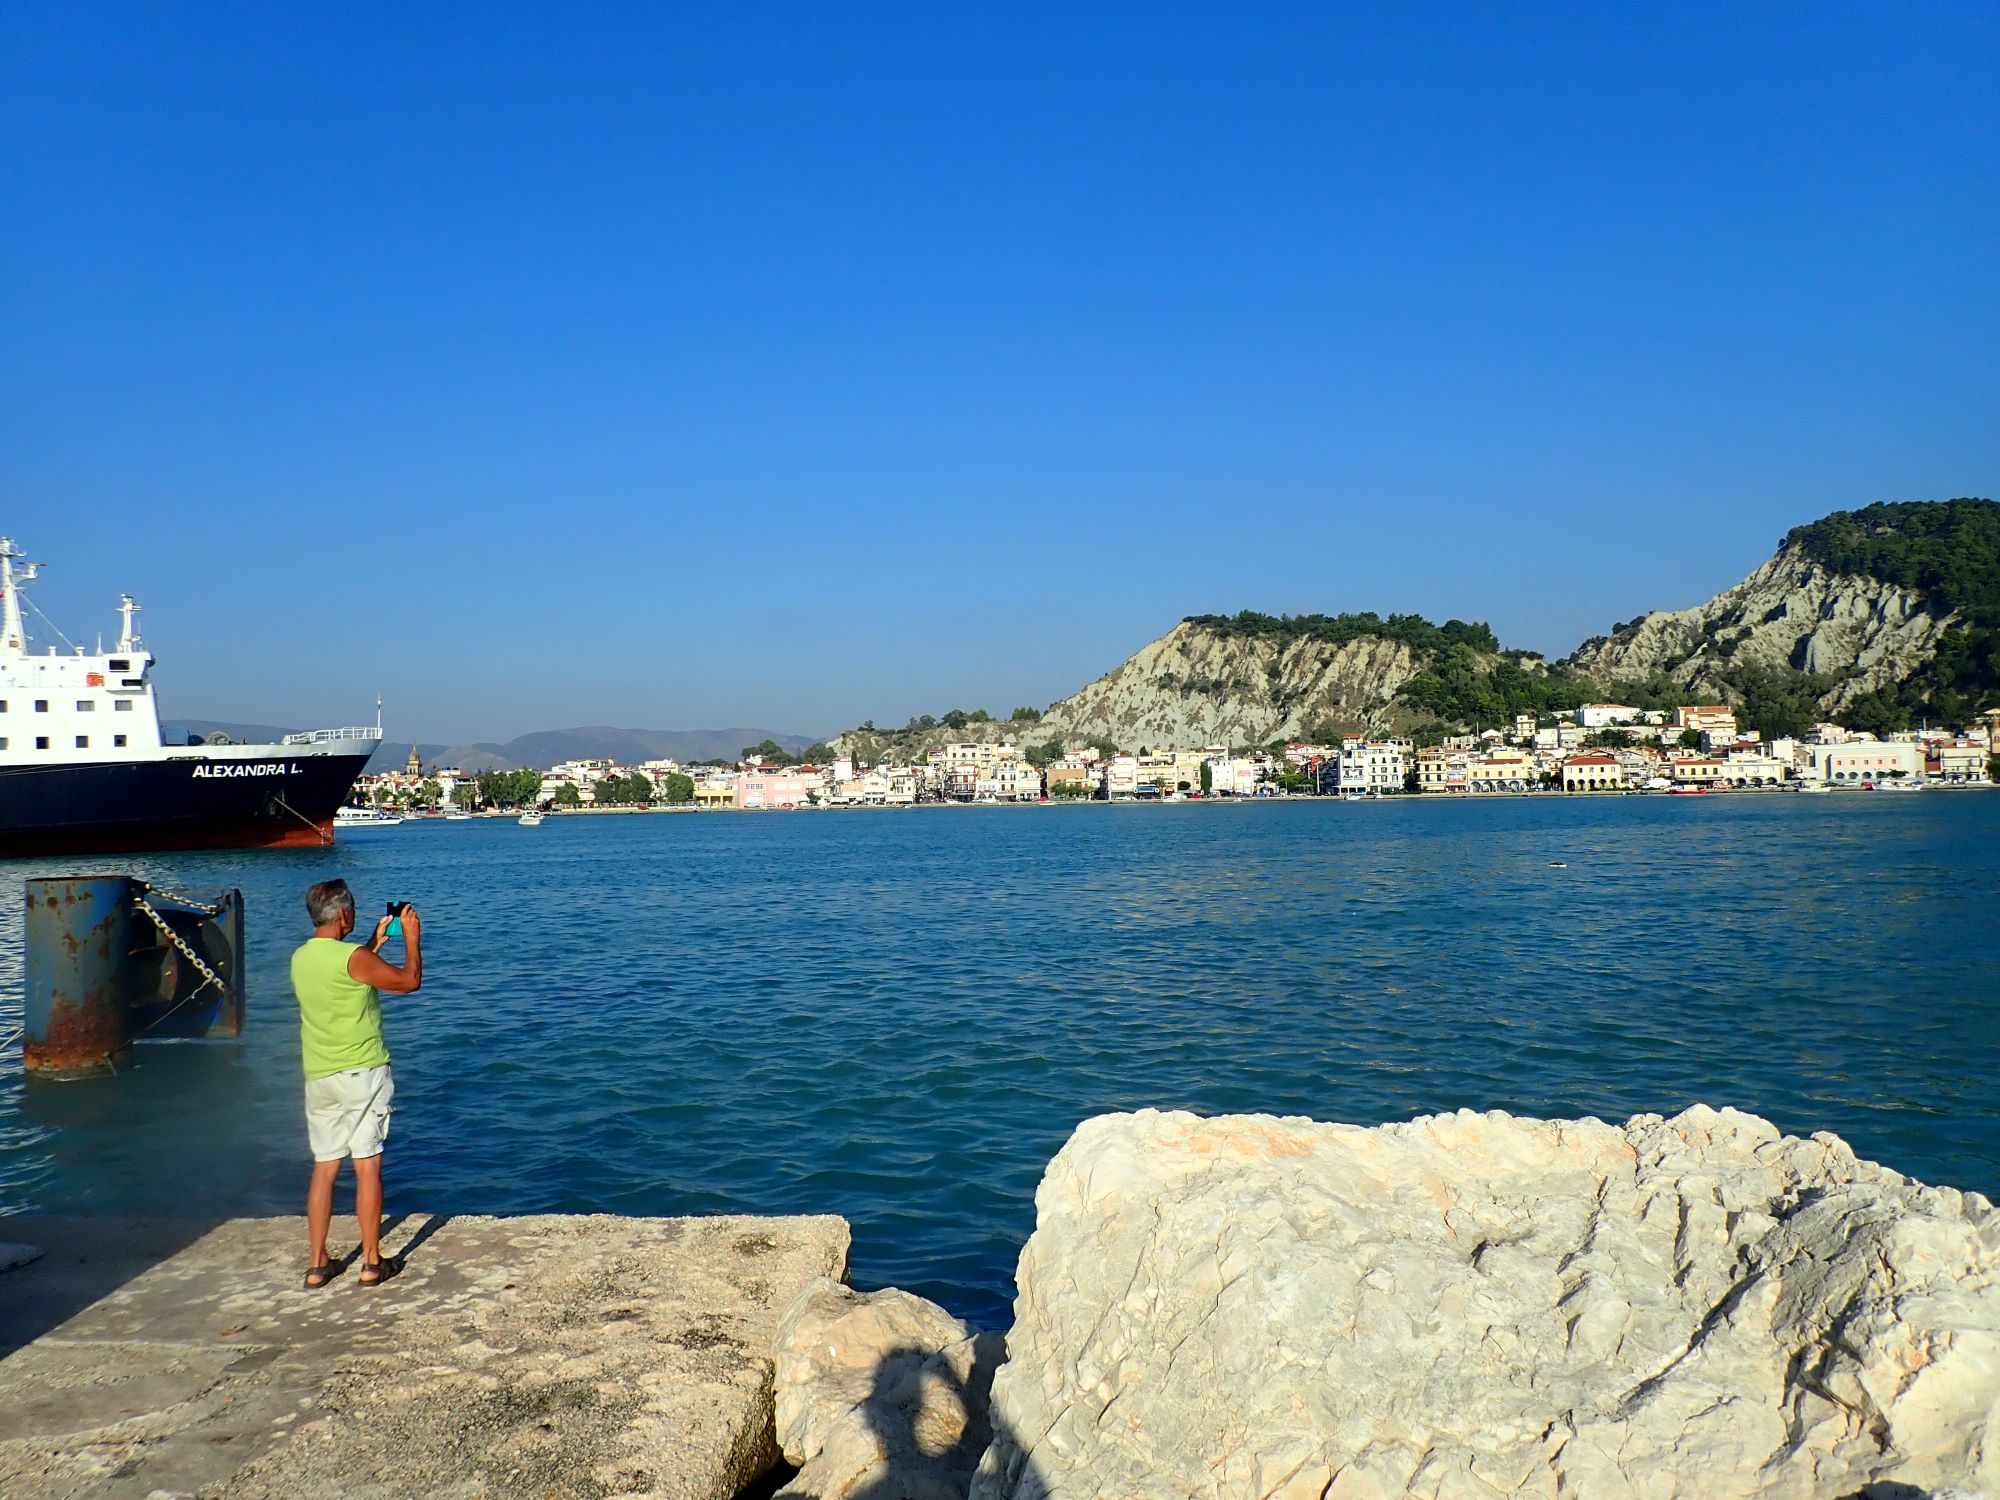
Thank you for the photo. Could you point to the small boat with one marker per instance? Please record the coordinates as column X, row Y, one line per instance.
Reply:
column 532, row 818
column 364, row 817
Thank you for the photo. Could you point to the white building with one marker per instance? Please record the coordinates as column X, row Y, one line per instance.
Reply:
column 1604, row 715
column 1864, row 760
column 1372, row 765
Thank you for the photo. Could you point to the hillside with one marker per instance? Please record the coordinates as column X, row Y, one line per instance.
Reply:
column 1876, row 616
column 1245, row 679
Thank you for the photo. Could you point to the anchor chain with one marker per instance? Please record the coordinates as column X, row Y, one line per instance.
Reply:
column 208, row 975
column 179, row 900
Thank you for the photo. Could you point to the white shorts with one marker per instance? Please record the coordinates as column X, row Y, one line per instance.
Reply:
column 347, row 1114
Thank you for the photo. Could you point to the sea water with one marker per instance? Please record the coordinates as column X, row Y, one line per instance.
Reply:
column 899, row 1015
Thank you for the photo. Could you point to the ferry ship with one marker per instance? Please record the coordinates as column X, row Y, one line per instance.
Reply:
column 84, row 770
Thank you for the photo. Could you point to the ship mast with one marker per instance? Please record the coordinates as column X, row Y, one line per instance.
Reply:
column 13, row 635
column 128, row 638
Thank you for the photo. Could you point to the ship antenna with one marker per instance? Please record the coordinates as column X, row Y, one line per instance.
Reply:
column 13, row 635
column 128, row 638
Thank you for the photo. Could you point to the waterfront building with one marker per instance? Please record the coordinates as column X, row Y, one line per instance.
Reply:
column 1441, row 770
column 1371, row 766
column 1121, row 776
column 1593, row 771
column 1957, row 760
column 716, row 791
column 1501, row 771
column 1071, row 771
column 1230, row 777
column 1698, row 770
column 1750, row 765
column 758, row 788
column 1864, row 760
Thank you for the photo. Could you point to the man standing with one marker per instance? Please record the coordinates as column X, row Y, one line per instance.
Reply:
column 349, row 1091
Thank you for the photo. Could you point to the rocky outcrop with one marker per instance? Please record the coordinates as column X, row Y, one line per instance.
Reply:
column 1791, row 612
column 1474, row 1305
column 880, row 1395
column 1196, row 687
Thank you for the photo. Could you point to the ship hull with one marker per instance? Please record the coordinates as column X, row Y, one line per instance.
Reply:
column 181, row 801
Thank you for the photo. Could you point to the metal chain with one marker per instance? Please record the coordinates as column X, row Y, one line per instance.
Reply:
column 179, row 900
column 209, row 976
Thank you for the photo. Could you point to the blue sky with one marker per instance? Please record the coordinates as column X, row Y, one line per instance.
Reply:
column 794, row 365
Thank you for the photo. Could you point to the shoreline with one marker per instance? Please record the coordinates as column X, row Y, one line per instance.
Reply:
column 1402, row 798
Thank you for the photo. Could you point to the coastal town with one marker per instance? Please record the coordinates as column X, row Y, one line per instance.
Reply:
column 1600, row 748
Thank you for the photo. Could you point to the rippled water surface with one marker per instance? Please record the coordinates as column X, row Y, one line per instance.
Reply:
column 899, row 1015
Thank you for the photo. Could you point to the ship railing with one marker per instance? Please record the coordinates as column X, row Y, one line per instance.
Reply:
column 352, row 732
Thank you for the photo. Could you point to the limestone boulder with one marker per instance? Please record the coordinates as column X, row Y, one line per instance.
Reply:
column 880, row 1395
column 1473, row 1305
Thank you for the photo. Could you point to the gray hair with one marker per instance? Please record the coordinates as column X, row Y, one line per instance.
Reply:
column 328, row 901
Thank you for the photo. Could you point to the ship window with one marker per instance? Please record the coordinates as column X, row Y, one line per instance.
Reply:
column 86, row 705
column 83, row 742
column 119, row 664
column 3, row 742
column 41, row 742
column 119, row 705
column 118, row 741
column 41, row 705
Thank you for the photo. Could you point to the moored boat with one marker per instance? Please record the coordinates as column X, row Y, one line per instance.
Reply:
column 84, row 768
column 365, row 817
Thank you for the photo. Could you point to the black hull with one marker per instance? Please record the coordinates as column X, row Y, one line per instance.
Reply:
column 186, row 801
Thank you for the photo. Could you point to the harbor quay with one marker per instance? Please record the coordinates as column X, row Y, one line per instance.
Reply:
column 1457, row 1306
column 1600, row 748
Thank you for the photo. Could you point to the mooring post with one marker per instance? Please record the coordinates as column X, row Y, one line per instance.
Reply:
column 77, row 1017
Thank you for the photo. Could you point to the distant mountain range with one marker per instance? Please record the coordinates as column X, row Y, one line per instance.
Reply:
column 540, row 749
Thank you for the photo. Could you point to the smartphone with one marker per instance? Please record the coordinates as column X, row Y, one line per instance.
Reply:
column 396, row 914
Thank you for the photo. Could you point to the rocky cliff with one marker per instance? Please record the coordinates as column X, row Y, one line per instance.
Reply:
column 1792, row 613
column 1198, row 686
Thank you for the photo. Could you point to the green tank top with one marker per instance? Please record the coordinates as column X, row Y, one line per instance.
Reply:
column 340, row 1018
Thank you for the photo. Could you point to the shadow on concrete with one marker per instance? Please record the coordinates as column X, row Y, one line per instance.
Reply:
column 83, row 1261
column 431, row 1225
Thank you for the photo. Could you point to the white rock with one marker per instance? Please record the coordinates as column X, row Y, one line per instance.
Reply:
column 880, row 1395
column 1475, row 1305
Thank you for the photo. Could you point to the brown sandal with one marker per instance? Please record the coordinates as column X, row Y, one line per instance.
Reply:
column 319, row 1275
column 374, row 1273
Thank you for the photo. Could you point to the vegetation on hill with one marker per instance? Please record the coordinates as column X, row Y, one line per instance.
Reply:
column 1414, row 631
column 1948, row 551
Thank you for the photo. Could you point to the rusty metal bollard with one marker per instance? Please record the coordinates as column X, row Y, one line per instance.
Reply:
column 110, row 960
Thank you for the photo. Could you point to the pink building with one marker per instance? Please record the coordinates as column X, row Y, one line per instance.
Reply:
column 771, row 789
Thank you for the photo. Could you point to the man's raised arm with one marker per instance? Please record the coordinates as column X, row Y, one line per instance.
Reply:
column 368, row 965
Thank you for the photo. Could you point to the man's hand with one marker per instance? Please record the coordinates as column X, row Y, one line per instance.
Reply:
column 381, row 933
column 405, row 978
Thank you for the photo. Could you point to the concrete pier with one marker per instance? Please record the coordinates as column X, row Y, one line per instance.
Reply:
column 547, row 1357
